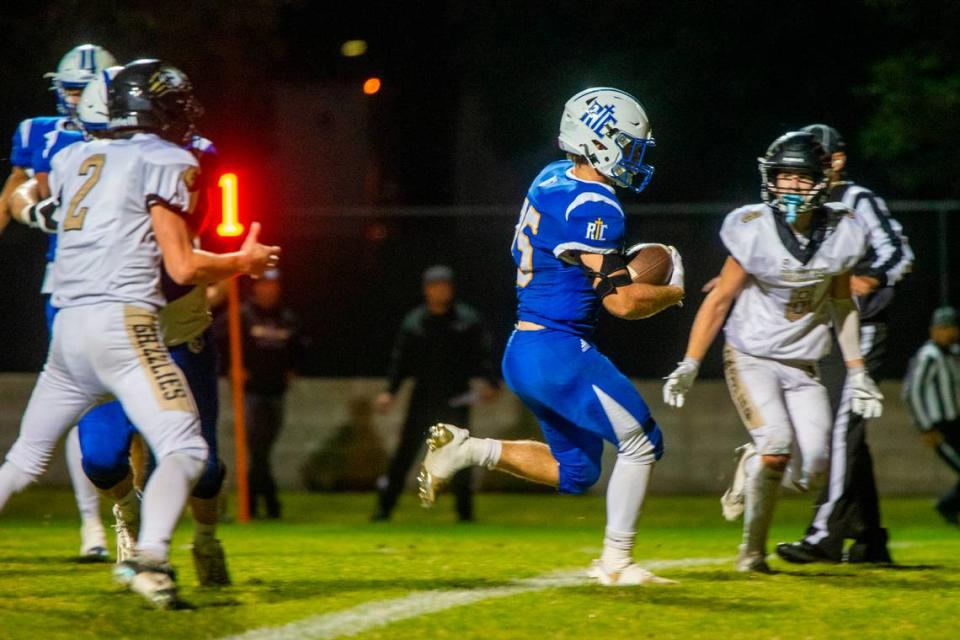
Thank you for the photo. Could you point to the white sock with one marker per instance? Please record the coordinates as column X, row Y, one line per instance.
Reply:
column 164, row 497
column 763, row 487
column 12, row 481
column 129, row 506
column 484, row 452
column 793, row 476
column 626, row 492
column 88, row 499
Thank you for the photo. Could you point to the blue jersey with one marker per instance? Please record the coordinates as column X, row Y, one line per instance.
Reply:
column 35, row 142
column 37, row 136
column 563, row 215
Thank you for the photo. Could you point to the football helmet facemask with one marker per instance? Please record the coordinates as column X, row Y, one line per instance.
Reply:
column 610, row 130
column 796, row 152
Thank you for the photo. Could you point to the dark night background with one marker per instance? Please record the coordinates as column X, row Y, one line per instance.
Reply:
column 471, row 99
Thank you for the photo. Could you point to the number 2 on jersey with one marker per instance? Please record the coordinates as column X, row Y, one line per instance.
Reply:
column 73, row 220
column 529, row 219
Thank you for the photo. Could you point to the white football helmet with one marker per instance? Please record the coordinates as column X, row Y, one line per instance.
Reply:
column 78, row 67
column 610, row 129
column 92, row 111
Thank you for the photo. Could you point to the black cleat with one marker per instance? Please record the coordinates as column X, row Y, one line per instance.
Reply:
column 803, row 552
column 951, row 516
column 872, row 550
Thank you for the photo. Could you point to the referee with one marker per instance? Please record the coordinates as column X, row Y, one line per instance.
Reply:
column 441, row 344
column 932, row 391
column 849, row 507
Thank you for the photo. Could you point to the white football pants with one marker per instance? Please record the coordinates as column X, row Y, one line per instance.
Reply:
column 784, row 407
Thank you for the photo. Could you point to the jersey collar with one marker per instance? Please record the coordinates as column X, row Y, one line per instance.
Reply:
column 569, row 174
column 818, row 231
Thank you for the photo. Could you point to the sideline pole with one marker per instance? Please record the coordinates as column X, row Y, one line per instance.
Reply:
column 230, row 227
column 237, row 394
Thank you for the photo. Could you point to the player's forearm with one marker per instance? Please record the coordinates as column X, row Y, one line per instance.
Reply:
column 707, row 324
column 846, row 322
column 20, row 201
column 638, row 301
column 17, row 177
column 203, row 267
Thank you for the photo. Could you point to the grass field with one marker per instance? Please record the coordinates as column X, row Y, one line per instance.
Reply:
column 510, row 575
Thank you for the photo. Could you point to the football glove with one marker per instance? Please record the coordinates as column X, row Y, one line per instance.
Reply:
column 678, row 383
column 676, row 278
column 865, row 397
column 40, row 215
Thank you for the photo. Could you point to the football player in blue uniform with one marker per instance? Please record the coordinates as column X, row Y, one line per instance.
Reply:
column 34, row 143
column 568, row 248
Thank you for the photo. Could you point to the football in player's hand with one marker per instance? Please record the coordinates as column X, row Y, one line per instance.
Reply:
column 651, row 265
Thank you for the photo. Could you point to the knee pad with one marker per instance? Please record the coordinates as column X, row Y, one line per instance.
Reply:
column 576, row 479
column 637, row 448
column 105, row 473
column 211, row 480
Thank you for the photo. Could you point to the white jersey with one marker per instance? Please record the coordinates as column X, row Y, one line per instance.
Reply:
column 782, row 312
column 107, row 251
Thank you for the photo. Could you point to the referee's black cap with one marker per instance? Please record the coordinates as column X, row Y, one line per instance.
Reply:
column 828, row 137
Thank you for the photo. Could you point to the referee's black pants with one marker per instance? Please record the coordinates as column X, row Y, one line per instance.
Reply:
column 849, row 506
column 424, row 411
column 264, row 414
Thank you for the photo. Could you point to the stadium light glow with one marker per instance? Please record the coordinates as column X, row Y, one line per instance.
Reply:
column 371, row 86
column 229, row 226
column 353, row 48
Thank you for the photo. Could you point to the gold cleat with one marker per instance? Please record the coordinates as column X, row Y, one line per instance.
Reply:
column 428, row 481
column 440, row 435
column 427, row 488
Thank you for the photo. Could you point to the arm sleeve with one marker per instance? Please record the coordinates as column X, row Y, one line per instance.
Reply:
column 846, row 322
column 594, row 223
column 893, row 257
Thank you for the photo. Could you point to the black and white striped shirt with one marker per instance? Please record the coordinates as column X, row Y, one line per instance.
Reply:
column 889, row 256
column 932, row 385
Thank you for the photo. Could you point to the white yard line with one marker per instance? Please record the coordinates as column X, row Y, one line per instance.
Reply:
column 380, row 613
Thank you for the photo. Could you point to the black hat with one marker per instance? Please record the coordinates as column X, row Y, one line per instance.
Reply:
column 828, row 137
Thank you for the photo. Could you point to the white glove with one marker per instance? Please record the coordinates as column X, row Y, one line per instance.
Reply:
column 865, row 397
column 676, row 278
column 42, row 215
column 678, row 383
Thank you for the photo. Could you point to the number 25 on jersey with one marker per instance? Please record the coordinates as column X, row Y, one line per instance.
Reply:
column 529, row 219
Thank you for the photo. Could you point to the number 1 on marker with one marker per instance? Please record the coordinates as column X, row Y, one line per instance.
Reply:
column 230, row 225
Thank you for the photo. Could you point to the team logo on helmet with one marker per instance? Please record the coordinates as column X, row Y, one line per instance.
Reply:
column 597, row 116
column 166, row 80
